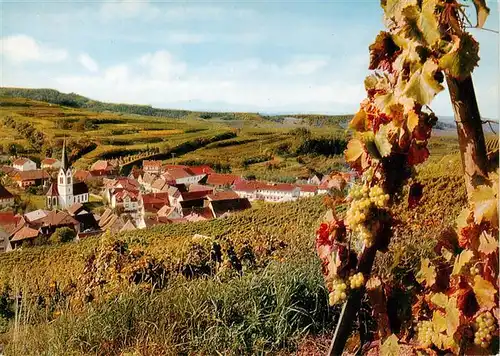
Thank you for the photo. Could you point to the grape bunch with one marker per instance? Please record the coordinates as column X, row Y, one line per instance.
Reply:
column 357, row 280
column 338, row 295
column 425, row 332
column 378, row 197
column 474, row 270
column 485, row 327
column 363, row 199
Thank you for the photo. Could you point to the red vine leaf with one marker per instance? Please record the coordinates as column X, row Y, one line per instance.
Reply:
column 382, row 52
column 417, row 154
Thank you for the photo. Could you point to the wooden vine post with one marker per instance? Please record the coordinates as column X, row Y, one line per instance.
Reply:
column 470, row 132
column 425, row 43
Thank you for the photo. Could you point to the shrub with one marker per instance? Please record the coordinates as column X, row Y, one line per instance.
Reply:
column 62, row 234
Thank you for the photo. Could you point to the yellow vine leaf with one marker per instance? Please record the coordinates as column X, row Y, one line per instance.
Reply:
column 421, row 23
column 358, row 122
column 412, row 120
column 422, row 87
column 462, row 218
column 427, row 273
column 390, row 347
column 394, row 8
column 485, row 203
column 462, row 259
column 487, row 243
column 354, row 150
column 384, row 147
column 482, row 12
column 439, row 321
column 485, row 293
column 452, row 316
column 440, row 300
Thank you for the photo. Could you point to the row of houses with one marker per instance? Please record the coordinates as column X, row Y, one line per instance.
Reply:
column 19, row 229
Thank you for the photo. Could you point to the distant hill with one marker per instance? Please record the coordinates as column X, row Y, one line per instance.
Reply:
column 78, row 101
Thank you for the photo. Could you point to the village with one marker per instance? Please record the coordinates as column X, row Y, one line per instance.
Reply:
column 153, row 194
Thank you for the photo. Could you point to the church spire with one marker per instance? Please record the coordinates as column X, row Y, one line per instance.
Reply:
column 64, row 159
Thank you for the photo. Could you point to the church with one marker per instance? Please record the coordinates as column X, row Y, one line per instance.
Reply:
column 64, row 192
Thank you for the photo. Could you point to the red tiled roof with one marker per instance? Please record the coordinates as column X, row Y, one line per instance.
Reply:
column 193, row 195
column 310, row 188
column 82, row 175
column 151, row 163
column 101, row 166
column 20, row 161
column 8, row 170
column 57, row 218
column 227, row 195
column 4, row 193
column 200, row 188
column 218, row 179
column 53, row 191
column 49, row 161
column 31, row 175
column 198, row 214
column 120, row 194
column 75, row 208
column 8, row 220
column 177, row 173
column 154, row 200
column 25, row 233
column 248, row 186
column 160, row 184
column 173, row 166
column 203, row 169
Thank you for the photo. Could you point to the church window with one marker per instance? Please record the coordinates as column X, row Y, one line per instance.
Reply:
column 61, row 180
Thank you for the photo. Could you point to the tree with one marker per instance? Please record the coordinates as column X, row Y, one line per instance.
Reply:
column 425, row 41
column 62, row 234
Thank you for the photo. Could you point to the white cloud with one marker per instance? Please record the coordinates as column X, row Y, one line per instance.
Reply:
column 160, row 79
column 127, row 9
column 305, row 66
column 163, row 65
column 87, row 61
column 22, row 48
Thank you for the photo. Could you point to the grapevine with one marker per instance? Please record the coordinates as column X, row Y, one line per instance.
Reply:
column 425, row 42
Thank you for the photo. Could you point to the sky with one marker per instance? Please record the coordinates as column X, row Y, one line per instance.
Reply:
column 259, row 56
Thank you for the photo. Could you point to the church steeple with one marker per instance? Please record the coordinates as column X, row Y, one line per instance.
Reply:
column 64, row 158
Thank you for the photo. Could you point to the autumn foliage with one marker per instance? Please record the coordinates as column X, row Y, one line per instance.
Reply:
column 455, row 297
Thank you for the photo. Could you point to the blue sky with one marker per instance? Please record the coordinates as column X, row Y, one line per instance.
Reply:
column 262, row 56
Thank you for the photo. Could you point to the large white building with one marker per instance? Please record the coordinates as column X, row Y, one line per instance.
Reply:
column 64, row 193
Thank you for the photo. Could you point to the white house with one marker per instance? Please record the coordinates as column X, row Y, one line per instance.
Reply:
column 254, row 190
column 129, row 200
column 24, row 164
column 65, row 192
column 182, row 176
column 50, row 163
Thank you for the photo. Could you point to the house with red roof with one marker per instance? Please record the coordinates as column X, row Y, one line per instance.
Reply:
column 126, row 199
column 202, row 169
column 219, row 180
column 152, row 202
column 183, row 175
column 35, row 177
column 24, row 235
column 152, row 166
column 24, row 164
column 307, row 190
column 50, row 164
column 103, row 168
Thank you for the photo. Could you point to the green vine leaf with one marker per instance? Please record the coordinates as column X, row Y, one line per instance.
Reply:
column 485, row 292
column 422, row 87
column 427, row 273
column 485, row 203
column 354, row 150
column 462, row 259
column 482, row 12
column 463, row 56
